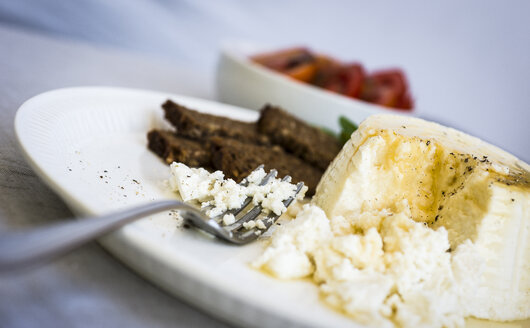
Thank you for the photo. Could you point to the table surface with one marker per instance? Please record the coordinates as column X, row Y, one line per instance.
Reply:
column 88, row 288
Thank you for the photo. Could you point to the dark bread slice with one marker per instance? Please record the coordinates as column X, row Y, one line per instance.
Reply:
column 196, row 125
column 173, row 148
column 295, row 136
column 237, row 159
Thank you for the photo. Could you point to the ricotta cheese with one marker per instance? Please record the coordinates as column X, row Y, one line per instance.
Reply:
column 414, row 225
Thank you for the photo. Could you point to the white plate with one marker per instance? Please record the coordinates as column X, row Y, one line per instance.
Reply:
column 244, row 83
column 89, row 145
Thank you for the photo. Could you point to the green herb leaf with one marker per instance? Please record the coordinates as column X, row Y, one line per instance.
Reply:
column 348, row 127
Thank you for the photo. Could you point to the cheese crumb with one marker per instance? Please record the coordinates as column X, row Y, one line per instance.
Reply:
column 249, row 225
column 229, row 219
column 260, row 224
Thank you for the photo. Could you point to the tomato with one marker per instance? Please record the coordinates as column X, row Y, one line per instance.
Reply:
column 391, row 79
column 347, row 81
column 387, row 88
column 405, row 102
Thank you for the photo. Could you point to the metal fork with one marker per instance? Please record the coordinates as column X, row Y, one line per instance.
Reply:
column 30, row 247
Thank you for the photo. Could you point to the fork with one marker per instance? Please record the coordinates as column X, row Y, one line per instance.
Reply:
column 34, row 246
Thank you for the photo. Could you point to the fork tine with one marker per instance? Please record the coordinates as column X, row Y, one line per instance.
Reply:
column 246, row 202
column 256, row 210
column 236, row 211
column 287, row 202
column 249, row 216
column 271, row 175
column 269, row 220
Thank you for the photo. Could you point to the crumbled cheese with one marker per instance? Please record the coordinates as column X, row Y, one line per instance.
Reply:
column 209, row 189
column 218, row 195
column 288, row 256
column 260, row 224
column 395, row 272
column 228, row 219
column 249, row 224
column 256, row 176
column 193, row 184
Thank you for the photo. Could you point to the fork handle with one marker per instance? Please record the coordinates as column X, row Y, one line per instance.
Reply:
column 30, row 247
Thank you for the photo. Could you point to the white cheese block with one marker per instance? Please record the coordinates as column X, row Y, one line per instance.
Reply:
column 477, row 192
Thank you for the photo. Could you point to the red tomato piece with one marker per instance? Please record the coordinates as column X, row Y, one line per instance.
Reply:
column 347, row 81
column 387, row 88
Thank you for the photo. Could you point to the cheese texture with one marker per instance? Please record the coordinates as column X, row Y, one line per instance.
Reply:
column 414, row 225
column 217, row 194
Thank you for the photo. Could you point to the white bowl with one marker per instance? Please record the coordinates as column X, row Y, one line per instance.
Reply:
column 244, row 83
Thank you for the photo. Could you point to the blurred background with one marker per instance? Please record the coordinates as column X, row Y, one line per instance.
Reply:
column 468, row 63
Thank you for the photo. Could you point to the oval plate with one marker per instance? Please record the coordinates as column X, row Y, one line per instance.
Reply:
column 89, row 145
